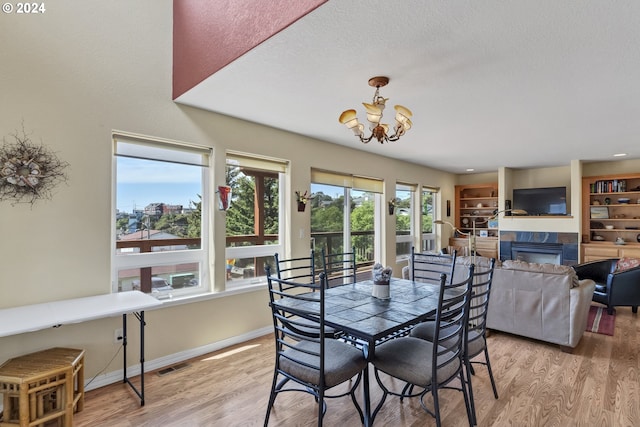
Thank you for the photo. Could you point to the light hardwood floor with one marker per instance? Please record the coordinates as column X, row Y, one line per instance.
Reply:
column 538, row 384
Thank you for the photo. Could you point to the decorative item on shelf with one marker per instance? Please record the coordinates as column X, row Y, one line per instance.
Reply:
column 302, row 200
column 609, row 227
column 607, row 201
column 381, row 277
column 596, row 203
column 599, row 212
column 392, row 206
column 638, row 238
column 624, row 200
column 620, row 241
column 597, row 238
column 596, row 225
column 224, row 197
column 374, row 110
column 28, row 171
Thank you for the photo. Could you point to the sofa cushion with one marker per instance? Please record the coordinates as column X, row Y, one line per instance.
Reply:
column 627, row 263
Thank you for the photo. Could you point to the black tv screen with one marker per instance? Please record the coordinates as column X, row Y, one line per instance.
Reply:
column 541, row 201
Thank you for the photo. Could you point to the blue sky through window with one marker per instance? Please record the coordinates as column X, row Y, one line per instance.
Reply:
column 141, row 182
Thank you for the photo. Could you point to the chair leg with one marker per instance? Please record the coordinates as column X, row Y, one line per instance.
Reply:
column 610, row 310
column 272, row 398
column 493, row 383
column 634, row 309
column 472, row 404
column 436, row 403
column 467, row 402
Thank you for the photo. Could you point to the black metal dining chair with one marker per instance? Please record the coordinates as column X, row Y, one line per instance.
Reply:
column 312, row 361
column 301, row 269
column 339, row 267
column 476, row 342
column 427, row 267
column 429, row 366
column 286, row 286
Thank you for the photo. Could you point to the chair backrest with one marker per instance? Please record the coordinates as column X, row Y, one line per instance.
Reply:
column 479, row 304
column 339, row 268
column 427, row 267
column 301, row 270
column 298, row 321
column 451, row 326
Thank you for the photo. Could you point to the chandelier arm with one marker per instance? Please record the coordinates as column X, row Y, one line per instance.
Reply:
column 366, row 140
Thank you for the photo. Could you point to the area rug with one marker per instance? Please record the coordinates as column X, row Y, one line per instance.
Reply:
column 600, row 321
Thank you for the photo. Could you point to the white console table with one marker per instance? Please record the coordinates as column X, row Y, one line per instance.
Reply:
column 35, row 317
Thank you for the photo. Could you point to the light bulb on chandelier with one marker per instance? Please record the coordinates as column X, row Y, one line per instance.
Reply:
column 374, row 110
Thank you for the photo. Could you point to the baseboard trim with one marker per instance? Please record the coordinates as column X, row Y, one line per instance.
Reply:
column 161, row 362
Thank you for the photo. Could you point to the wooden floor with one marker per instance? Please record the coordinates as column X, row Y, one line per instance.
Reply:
column 538, row 384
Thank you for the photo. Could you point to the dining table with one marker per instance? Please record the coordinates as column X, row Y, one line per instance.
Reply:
column 352, row 309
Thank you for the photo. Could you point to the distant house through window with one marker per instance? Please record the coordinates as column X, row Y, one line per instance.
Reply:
column 161, row 216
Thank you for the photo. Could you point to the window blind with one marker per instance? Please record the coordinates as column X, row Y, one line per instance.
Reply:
column 361, row 183
column 129, row 145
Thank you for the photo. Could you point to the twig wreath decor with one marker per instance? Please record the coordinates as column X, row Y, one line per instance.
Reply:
column 28, row 171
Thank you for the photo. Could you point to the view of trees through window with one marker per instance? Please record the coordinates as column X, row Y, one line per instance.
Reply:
column 403, row 212
column 332, row 231
column 252, row 222
column 428, row 208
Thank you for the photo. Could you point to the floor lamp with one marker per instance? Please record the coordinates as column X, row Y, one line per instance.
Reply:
column 472, row 235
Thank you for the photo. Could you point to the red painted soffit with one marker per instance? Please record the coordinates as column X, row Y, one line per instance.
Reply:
column 208, row 35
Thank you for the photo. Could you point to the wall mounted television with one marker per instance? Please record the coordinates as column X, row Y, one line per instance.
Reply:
column 541, row 201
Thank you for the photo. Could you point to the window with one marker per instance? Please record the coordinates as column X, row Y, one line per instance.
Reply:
column 254, row 218
column 343, row 214
column 404, row 212
column 161, row 213
column 428, row 203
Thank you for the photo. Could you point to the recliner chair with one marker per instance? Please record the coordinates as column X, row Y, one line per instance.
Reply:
column 614, row 287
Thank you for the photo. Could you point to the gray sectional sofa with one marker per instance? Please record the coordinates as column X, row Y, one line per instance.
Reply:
column 545, row 302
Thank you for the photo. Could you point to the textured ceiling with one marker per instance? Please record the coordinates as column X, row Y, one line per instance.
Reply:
column 492, row 83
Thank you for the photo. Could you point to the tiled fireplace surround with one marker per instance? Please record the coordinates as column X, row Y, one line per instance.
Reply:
column 569, row 242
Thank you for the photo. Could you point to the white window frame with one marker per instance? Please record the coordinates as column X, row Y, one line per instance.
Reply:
column 124, row 144
column 433, row 236
column 411, row 237
column 258, row 251
column 353, row 182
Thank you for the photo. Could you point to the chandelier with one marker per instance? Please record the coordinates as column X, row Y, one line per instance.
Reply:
column 379, row 130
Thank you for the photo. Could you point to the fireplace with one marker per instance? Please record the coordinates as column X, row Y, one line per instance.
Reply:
column 542, row 253
column 540, row 247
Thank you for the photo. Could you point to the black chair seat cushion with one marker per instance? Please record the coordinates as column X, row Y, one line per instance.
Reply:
column 342, row 362
column 409, row 359
column 476, row 342
column 312, row 330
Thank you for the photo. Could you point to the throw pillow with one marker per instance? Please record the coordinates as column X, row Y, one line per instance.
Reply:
column 627, row 263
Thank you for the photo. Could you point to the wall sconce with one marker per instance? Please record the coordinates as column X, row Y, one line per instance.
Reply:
column 224, row 197
column 392, row 206
column 302, row 199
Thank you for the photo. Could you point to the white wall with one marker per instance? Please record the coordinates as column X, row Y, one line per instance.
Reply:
column 72, row 76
